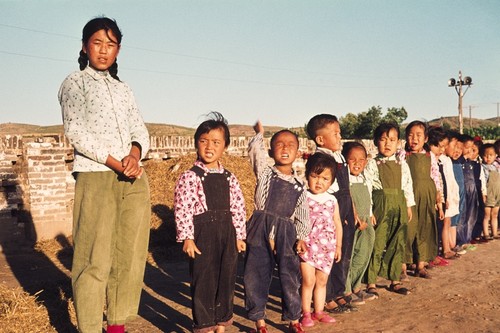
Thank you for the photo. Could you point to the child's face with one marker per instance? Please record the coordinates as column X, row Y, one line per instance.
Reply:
column 489, row 155
column 467, row 149
column 210, row 147
column 451, row 147
column 440, row 148
column 102, row 49
column 388, row 143
column 416, row 138
column 284, row 149
column 457, row 152
column 356, row 159
column 319, row 183
column 329, row 137
column 475, row 152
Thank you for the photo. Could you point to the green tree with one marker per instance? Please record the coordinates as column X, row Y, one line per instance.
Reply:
column 397, row 115
column 348, row 125
column 367, row 122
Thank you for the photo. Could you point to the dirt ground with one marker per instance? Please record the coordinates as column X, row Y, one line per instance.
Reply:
column 462, row 297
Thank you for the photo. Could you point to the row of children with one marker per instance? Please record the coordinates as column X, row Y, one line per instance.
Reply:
column 356, row 219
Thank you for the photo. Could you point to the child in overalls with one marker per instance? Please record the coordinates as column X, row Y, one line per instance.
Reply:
column 392, row 202
column 276, row 230
column 427, row 187
column 324, row 129
column 364, row 237
column 210, row 217
column 464, row 230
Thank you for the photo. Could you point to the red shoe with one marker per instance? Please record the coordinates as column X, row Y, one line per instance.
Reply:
column 295, row 328
column 439, row 261
column 116, row 329
column 262, row 329
column 323, row 317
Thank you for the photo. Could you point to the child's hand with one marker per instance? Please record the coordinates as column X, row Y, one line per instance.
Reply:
column 301, row 247
column 410, row 213
column 439, row 208
column 338, row 253
column 362, row 225
column 190, row 248
column 357, row 220
column 373, row 220
column 241, row 246
column 258, row 128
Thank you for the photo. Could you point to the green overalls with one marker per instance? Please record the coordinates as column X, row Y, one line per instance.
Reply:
column 389, row 208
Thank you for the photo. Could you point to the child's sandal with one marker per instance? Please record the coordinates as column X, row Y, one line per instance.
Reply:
column 399, row 289
column 372, row 291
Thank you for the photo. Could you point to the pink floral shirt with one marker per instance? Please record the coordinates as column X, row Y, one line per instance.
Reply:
column 190, row 201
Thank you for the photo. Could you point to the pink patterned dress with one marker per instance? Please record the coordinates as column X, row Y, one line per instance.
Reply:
column 322, row 240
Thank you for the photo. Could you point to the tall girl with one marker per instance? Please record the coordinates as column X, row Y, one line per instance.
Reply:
column 210, row 217
column 392, row 202
column 111, row 207
column 324, row 243
column 427, row 187
column 276, row 230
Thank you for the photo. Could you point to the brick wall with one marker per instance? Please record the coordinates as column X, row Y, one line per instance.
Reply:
column 50, row 189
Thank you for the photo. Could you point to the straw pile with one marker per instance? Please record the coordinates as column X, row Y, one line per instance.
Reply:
column 21, row 312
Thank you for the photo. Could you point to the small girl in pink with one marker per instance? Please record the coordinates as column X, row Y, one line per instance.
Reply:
column 323, row 242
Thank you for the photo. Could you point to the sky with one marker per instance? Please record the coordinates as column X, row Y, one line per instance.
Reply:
column 278, row 61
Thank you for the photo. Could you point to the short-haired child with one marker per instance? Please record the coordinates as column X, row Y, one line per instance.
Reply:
column 392, row 206
column 210, row 216
column 491, row 169
column 277, row 230
column 438, row 142
column 324, row 242
column 464, row 230
column 324, row 129
column 364, row 238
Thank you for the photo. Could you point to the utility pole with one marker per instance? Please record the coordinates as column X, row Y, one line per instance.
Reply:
column 470, row 116
column 458, row 88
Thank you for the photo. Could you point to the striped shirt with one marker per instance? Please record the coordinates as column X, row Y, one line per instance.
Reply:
column 263, row 171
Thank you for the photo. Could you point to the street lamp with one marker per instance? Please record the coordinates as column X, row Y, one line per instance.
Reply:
column 458, row 84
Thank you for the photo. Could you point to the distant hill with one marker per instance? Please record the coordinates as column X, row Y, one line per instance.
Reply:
column 452, row 122
column 236, row 130
column 154, row 129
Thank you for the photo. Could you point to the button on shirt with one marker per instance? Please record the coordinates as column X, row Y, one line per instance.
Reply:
column 100, row 118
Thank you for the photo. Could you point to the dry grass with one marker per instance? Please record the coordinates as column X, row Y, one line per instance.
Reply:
column 21, row 312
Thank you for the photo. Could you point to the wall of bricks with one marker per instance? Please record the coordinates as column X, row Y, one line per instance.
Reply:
column 50, row 189
column 36, row 189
